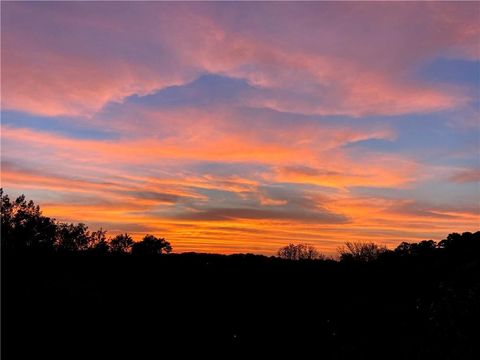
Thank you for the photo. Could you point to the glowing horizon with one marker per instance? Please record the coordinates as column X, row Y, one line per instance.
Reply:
column 242, row 127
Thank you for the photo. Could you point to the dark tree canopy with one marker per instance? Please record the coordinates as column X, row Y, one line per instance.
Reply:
column 361, row 252
column 461, row 244
column 300, row 252
column 73, row 237
column 151, row 245
column 121, row 243
column 70, row 289
column 98, row 242
column 422, row 248
column 24, row 228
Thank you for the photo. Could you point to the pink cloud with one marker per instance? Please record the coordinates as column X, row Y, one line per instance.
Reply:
column 466, row 176
column 161, row 171
column 318, row 147
column 98, row 60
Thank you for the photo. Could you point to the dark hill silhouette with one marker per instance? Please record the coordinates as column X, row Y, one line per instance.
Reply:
column 71, row 293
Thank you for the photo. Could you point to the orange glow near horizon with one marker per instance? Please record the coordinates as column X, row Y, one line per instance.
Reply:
column 223, row 132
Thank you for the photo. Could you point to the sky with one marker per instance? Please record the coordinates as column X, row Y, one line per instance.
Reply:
column 243, row 127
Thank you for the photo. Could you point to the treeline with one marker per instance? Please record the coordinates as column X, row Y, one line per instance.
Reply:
column 455, row 245
column 418, row 301
column 25, row 229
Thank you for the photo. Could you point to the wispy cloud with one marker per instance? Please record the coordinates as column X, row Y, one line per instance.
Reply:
column 243, row 126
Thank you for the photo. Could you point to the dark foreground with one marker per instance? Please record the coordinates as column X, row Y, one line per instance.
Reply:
column 90, row 306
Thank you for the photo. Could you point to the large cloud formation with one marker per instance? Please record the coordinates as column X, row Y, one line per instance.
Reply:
column 242, row 126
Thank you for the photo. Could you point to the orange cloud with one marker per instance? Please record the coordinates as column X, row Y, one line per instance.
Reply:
column 177, row 206
column 234, row 175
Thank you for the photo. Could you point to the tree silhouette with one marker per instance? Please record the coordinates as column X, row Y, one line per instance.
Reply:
column 300, row 252
column 121, row 244
column 24, row 227
column 424, row 296
column 73, row 237
column 416, row 249
column 97, row 242
column 464, row 244
column 151, row 245
column 361, row 252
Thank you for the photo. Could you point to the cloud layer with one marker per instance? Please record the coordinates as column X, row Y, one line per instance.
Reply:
column 244, row 126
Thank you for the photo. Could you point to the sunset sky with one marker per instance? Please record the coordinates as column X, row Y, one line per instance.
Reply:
column 242, row 127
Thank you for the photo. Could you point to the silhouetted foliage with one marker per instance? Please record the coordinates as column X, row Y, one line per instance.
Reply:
column 461, row 245
column 455, row 245
column 151, row 245
column 300, row 252
column 63, row 292
column 98, row 242
column 24, row 227
column 360, row 252
column 72, row 237
column 121, row 244
column 416, row 249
